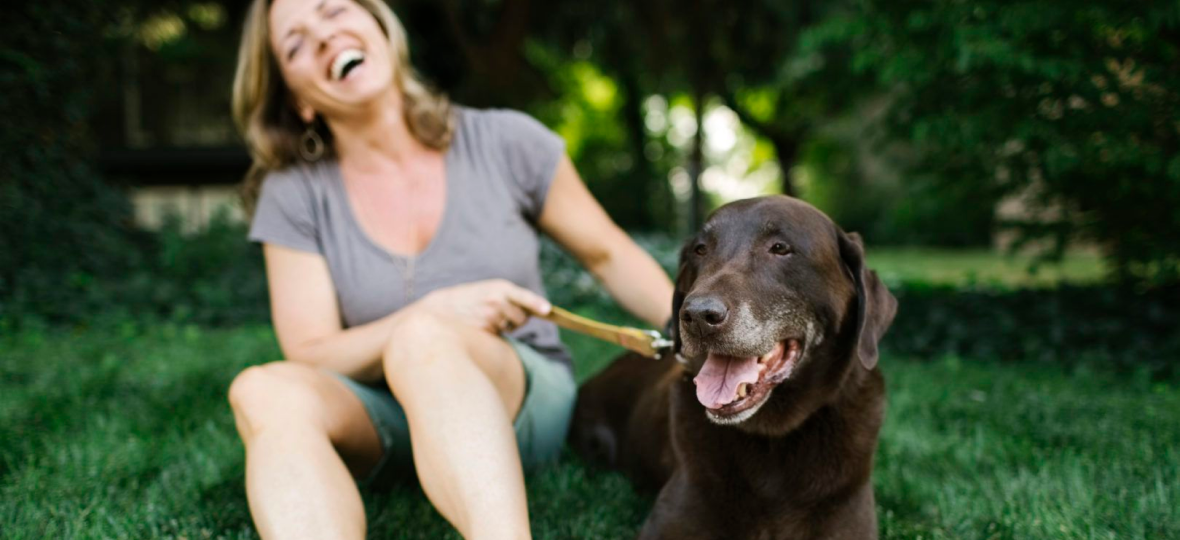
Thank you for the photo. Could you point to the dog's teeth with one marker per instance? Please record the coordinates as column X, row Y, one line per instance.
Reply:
column 743, row 389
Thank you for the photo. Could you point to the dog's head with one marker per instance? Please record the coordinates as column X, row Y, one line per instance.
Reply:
column 776, row 309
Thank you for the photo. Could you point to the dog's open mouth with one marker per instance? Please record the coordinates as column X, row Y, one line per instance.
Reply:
column 733, row 387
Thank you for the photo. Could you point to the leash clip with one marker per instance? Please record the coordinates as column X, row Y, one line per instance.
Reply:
column 659, row 343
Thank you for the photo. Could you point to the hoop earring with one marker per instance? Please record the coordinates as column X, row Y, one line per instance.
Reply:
column 311, row 145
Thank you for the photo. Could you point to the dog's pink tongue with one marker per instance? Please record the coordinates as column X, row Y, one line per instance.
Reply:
column 718, row 381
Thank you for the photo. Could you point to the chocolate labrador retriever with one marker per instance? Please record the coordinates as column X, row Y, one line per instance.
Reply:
column 763, row 423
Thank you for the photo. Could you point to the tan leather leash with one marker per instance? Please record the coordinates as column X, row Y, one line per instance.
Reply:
column 646, row 342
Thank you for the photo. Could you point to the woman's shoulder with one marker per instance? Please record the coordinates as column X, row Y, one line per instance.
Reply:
column 491, row 114
column 498, row 122
column 297, row 190
column 299, row 179
column 289, row 208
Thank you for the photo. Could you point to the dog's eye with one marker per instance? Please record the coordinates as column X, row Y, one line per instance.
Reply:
column 700, row 249
column 780, row 248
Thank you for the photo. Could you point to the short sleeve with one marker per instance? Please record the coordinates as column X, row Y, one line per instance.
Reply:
column 532, row 152
column 284, row 213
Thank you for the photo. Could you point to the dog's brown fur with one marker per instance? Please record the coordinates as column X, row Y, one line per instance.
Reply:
column 800, row 467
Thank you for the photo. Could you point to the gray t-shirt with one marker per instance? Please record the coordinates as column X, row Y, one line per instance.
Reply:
column 498, row 171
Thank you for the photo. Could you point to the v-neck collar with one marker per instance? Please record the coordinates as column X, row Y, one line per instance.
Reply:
column 337, row 180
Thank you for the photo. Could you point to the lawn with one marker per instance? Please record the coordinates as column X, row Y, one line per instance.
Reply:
column 124, row 432
column 979, row 267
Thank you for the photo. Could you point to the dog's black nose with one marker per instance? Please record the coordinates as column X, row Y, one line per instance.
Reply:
column 706, row 313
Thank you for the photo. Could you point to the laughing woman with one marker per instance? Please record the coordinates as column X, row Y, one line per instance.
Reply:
column 400, row 235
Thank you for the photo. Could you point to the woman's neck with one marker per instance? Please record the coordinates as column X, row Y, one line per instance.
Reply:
column 375, row 138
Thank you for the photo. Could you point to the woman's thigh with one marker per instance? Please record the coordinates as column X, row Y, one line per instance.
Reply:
column 540, row 424
column 287, row 395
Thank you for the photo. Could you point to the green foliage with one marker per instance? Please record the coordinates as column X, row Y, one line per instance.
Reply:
column 1114, row 329
column 61, row 225
column 1073, row 106
column 828, row 179
column 599, row 117
column 852, row 177
column 211, row 277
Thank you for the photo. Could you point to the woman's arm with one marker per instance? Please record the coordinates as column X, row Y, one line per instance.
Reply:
column 307, row 320
column 576, row 221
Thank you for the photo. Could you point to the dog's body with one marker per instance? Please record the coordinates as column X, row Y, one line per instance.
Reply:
column 744, row 443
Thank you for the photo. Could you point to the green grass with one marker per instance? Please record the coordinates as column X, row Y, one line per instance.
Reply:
column 125, row 433
column 981, row 267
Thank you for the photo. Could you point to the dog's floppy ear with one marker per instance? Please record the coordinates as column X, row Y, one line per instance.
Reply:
column 685, row 275
column 875, row 305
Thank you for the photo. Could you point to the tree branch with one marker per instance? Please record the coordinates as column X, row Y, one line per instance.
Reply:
column 764, row 128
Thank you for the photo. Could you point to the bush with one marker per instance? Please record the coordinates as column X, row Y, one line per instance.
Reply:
column 1101, row 326
column 925, row 210
column 213, row 277
column 1071, row 106
column 62, row 227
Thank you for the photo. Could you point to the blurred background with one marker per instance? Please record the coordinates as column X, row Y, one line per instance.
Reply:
column 1014, row 168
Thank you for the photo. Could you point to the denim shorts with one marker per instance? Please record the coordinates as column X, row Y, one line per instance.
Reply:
column 541, row 424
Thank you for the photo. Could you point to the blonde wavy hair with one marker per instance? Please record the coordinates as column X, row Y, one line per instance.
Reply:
column 265, row 114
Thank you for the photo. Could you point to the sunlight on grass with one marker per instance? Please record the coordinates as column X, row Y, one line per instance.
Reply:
column 981, row 267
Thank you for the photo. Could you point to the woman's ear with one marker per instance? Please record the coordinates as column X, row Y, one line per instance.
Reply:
column 305, row 112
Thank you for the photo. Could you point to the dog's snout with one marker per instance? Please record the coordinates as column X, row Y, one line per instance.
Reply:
column 705, row 313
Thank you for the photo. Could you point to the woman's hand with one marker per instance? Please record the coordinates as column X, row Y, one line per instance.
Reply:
column 495, row 305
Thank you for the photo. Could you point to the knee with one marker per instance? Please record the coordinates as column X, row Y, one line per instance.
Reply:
column 415, row 336
column 273, row 394
column 422, row 327
column 427, row 346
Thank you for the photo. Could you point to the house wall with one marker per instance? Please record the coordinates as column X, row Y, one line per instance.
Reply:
column 196, row 206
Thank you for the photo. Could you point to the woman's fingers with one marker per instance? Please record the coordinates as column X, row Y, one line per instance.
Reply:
column 530, row 301
column 513, row 317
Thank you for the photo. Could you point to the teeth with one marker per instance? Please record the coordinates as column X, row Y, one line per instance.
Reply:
column 743, row 389
column 342, row 61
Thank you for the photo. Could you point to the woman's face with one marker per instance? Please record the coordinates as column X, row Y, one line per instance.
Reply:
column 332, row 53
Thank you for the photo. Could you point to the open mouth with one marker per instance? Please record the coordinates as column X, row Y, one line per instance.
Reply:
column 344, row 63
column 732, row 388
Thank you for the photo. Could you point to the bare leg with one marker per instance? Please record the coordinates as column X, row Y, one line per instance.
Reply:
column 461, row 387
column 297, row 423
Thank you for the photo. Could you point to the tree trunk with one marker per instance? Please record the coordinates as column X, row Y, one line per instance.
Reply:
column 653, row 189
column 786, row 148
column 696, row 164
column 786, row 142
